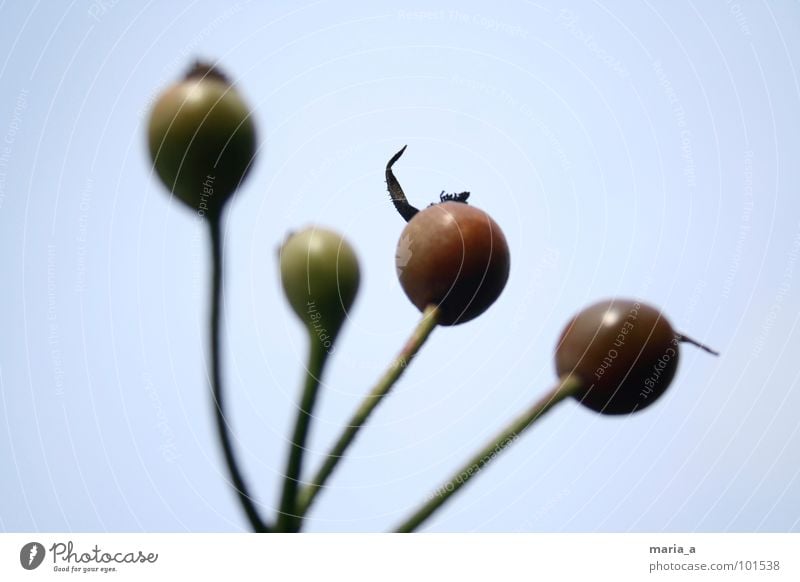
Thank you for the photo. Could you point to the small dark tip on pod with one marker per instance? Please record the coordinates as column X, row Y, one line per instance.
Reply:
column 686, row 339
column 201, row 69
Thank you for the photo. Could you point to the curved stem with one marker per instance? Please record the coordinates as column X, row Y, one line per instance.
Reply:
column 566, row 386
column 430, row 318
column 289, row 518
column 245, row 499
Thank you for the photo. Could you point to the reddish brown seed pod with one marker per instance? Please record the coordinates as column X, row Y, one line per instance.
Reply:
column 455, row 256
column 625, row 352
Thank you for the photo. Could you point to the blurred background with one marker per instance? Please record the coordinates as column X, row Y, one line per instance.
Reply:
column 647, row 150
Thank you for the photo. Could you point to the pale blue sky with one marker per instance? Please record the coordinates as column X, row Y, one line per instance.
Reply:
column 642, row 149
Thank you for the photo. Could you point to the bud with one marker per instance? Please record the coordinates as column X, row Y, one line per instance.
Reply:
column 320, row 277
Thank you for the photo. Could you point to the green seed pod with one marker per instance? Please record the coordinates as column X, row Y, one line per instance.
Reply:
column 320, row 277
column 202, row 140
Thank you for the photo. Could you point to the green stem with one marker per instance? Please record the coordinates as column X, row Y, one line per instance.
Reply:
column 289, row 518
column 430, row 317
column 566, row 387
column 239, row 485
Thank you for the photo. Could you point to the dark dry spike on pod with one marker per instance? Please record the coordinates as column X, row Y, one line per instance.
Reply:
column 455, row 197
column 396, row 193
column 688, row 340
column 204, row 70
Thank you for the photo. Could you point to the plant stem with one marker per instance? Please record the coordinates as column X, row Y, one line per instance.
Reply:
column 566, row 387
column 245, row 499
column 289, row 518
column 430, row 317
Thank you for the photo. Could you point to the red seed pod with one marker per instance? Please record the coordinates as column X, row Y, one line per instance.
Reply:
column 455, row 256
column 450, row 254
column 625, row 352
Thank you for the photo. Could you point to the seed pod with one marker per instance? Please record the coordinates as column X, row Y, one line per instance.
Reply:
column 320, row 277
column 625, row 352
column 455, row 256
column 202, row 140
